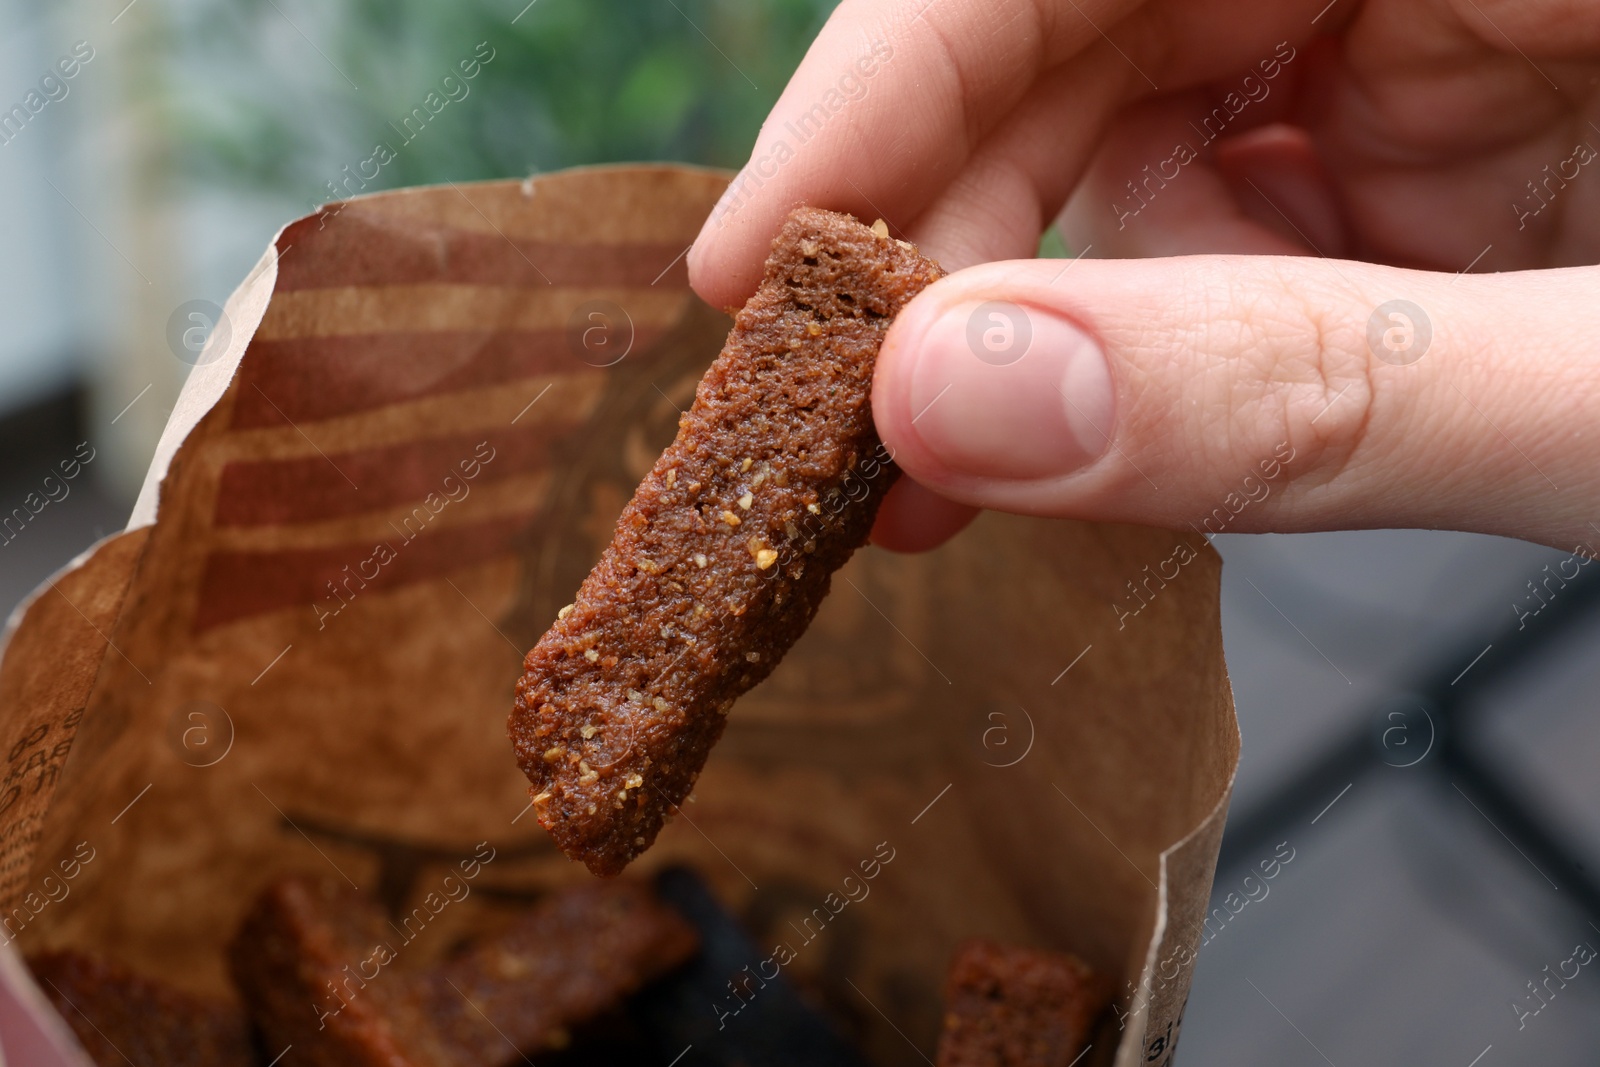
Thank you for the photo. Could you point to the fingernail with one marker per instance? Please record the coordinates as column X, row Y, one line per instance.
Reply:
column 1003, row 390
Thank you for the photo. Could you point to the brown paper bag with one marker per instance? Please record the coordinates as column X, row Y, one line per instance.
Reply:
column 396, row 460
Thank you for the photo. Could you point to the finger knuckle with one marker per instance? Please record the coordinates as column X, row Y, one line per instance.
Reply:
column 1312, row 376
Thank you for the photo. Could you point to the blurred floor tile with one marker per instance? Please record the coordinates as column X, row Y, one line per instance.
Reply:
column 1402, row 932
column 1321, row 630
column 1541, row 726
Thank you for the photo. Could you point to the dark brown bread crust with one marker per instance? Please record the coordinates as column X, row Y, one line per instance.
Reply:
column 120, row 1016
column 576, row 956
column 721, row 558
column 315, row 963
column 1009, row 1006
column 301, row 961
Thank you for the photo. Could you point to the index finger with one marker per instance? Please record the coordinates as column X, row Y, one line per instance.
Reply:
column 889, row 103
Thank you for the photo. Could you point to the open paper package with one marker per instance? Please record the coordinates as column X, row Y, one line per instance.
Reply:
column 399, row 454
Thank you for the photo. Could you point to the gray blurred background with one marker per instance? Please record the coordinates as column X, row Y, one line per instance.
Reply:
column 1429, row 763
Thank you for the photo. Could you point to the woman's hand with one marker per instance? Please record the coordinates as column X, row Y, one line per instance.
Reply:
column 1396, row 150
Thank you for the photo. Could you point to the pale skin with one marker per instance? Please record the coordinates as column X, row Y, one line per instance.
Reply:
column 1221, row 315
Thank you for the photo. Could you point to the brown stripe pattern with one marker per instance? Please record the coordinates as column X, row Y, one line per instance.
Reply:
column 408, row 336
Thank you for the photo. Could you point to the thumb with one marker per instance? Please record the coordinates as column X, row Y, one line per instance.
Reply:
column 1252, row 393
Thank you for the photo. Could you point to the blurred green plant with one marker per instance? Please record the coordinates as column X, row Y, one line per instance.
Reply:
column 279, row 95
